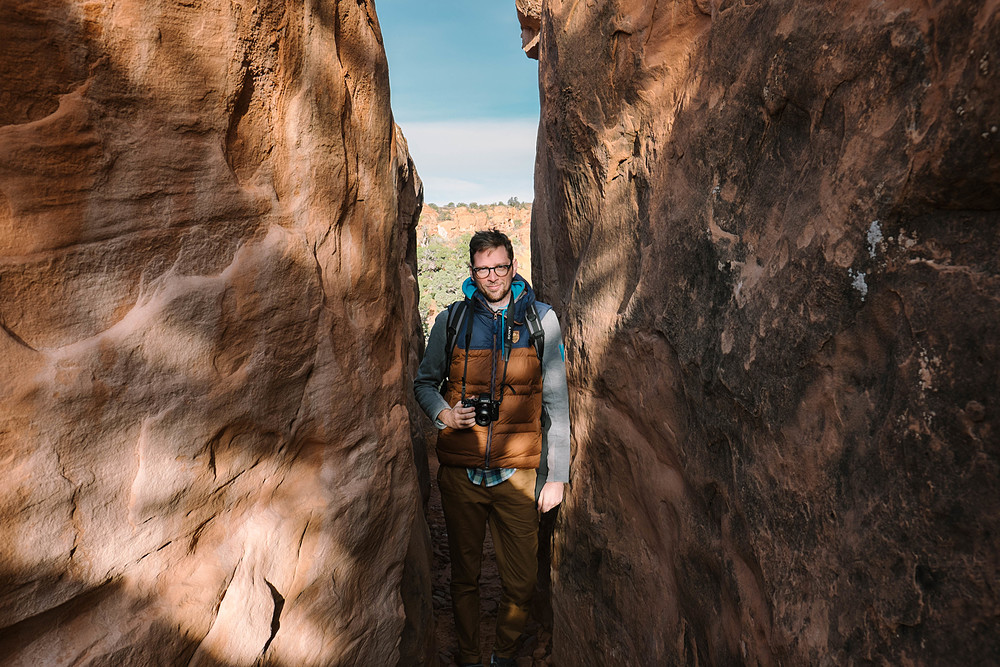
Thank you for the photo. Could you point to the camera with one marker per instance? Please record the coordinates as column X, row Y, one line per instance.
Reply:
column 487, row 410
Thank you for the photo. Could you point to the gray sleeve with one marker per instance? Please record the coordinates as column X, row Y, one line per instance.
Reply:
column 432, row 370
column 555, row 400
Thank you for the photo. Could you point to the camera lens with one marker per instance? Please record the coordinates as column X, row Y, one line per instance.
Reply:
column 487, row 410
column 483, row 414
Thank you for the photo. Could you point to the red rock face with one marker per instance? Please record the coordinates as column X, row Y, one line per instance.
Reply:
column 529, row 16
column 771, row 229
column 207, row 299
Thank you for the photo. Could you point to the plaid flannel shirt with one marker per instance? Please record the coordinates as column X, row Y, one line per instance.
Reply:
column 490, row 477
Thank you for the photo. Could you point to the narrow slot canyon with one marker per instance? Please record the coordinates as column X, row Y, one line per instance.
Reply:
column 770, row 230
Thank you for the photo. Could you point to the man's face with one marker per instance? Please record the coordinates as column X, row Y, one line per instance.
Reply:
column 494, row 288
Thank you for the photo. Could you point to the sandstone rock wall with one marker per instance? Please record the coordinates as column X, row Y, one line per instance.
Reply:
column 207, row 301
column 772, row 231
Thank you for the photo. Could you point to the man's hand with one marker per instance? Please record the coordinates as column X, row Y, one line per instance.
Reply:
column 458, row 416
column 551, row 495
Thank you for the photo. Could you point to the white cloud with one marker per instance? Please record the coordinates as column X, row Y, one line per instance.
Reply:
column 474, row 160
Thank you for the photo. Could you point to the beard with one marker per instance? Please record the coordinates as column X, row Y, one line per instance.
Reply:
column 504, row 292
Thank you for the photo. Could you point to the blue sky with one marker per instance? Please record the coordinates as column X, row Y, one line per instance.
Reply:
column 465, row 95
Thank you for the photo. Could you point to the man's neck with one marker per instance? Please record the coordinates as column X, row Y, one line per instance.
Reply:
column 499, row 305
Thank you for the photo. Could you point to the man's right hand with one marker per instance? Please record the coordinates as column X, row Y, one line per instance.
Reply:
column 458, row 416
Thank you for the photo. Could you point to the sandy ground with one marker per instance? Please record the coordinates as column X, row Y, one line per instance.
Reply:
column 536, row 645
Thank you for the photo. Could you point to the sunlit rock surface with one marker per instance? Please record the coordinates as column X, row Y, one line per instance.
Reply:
column 529, row 13
column 771, row 230
column 207, row 300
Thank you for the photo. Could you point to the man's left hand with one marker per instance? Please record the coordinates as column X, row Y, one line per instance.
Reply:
column 551, row 495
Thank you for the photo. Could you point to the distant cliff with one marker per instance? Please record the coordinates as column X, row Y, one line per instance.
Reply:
column 208, row 311
column 771, row 231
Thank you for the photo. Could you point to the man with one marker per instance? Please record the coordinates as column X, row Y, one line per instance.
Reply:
column 504, row 450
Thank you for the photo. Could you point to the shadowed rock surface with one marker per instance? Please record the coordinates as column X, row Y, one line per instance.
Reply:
column 208, row 304
column 771, row 230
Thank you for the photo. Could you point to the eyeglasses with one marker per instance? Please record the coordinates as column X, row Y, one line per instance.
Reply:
column 484, row 271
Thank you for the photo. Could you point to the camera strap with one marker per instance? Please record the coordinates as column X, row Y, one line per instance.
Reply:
column 506, row 347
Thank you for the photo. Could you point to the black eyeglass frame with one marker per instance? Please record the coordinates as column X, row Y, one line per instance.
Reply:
column 483, row 272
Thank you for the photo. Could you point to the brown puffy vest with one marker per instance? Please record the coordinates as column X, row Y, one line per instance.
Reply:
column 514, row 440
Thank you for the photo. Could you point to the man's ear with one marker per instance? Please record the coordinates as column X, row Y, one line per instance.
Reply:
column 513, row 266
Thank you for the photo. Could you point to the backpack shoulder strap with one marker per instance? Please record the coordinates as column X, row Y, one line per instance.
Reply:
column 535, row 331
column 456, row 315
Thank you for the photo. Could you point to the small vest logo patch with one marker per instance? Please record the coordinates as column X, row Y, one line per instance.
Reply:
column 515, row 336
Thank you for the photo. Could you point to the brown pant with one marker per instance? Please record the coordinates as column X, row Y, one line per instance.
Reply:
column 510, row 509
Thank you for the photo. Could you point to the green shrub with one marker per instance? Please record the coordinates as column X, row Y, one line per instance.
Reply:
column 442, row 266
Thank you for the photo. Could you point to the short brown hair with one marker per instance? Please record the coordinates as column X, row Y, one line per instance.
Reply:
column 488, row 239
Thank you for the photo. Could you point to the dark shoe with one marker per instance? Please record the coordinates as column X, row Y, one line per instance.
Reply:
column 497, row 661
